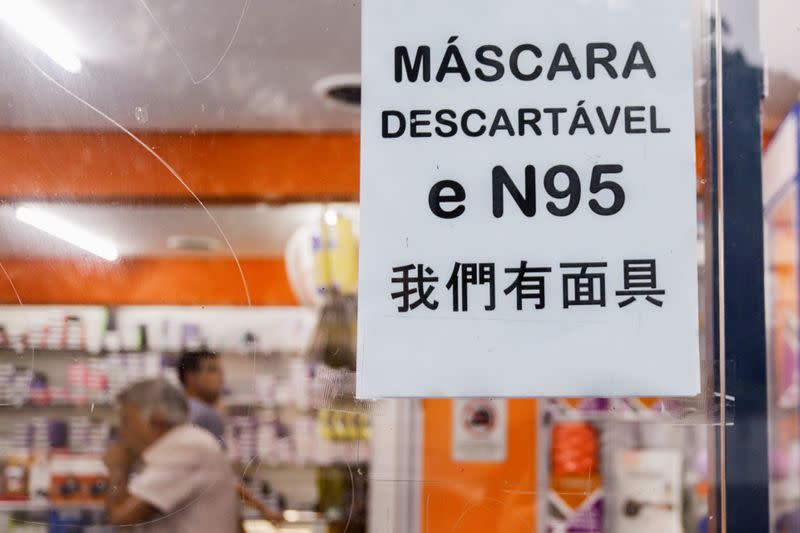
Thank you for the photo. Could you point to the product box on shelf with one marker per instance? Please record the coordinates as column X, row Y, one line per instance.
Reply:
column 575, row 491
column 39, row 478
column 613, row 465
column 14, row 475
column 648, row 491
column 78, row 479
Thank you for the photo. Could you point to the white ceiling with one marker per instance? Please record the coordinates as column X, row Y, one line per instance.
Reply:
column 265, row 81
column 255, row 230
column 142, row 59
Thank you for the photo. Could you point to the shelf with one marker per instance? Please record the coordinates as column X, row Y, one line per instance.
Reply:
column 277, row 467
column 28, row 352
column 247, row 402
column 46, row 352
column 56, row 407
column 25, row 505
column 293, row 467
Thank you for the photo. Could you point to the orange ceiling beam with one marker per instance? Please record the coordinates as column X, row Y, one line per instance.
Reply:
column 144, row 281
column 108, row 166
column 217, row 167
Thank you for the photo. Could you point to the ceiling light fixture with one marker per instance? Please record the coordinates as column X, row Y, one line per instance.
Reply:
column 344, row 90
column 39, row 28
column 67, row 231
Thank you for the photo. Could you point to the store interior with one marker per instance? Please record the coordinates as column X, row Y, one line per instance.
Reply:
column 186, row 176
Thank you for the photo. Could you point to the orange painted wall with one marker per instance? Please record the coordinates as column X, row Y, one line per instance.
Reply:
column 144, row 281
column 477, row 497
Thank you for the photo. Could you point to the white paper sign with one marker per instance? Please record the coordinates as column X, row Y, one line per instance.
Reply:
column 527, row 199
column 480, row 429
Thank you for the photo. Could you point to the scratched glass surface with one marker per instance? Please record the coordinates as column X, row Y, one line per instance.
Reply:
column 182, row 176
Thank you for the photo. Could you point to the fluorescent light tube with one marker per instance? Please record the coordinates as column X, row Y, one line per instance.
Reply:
column 39, row 28
column 67, row 231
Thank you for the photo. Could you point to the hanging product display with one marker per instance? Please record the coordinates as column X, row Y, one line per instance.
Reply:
column 335, row 248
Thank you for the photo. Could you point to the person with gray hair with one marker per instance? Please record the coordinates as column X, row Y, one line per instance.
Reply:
column 185, row 483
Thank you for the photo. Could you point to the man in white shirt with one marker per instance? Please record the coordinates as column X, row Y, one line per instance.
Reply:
column 185, row 484
column 202, row 377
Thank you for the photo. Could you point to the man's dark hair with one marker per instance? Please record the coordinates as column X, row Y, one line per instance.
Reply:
column 189, row 362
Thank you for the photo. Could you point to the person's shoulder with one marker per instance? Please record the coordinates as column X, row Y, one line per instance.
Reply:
column 201, row 411
column 191, row 440
column 197, row 406
column 198, row 437
column 207, row 418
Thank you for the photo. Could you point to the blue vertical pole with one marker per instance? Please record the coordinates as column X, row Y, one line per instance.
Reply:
column 746, row 465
